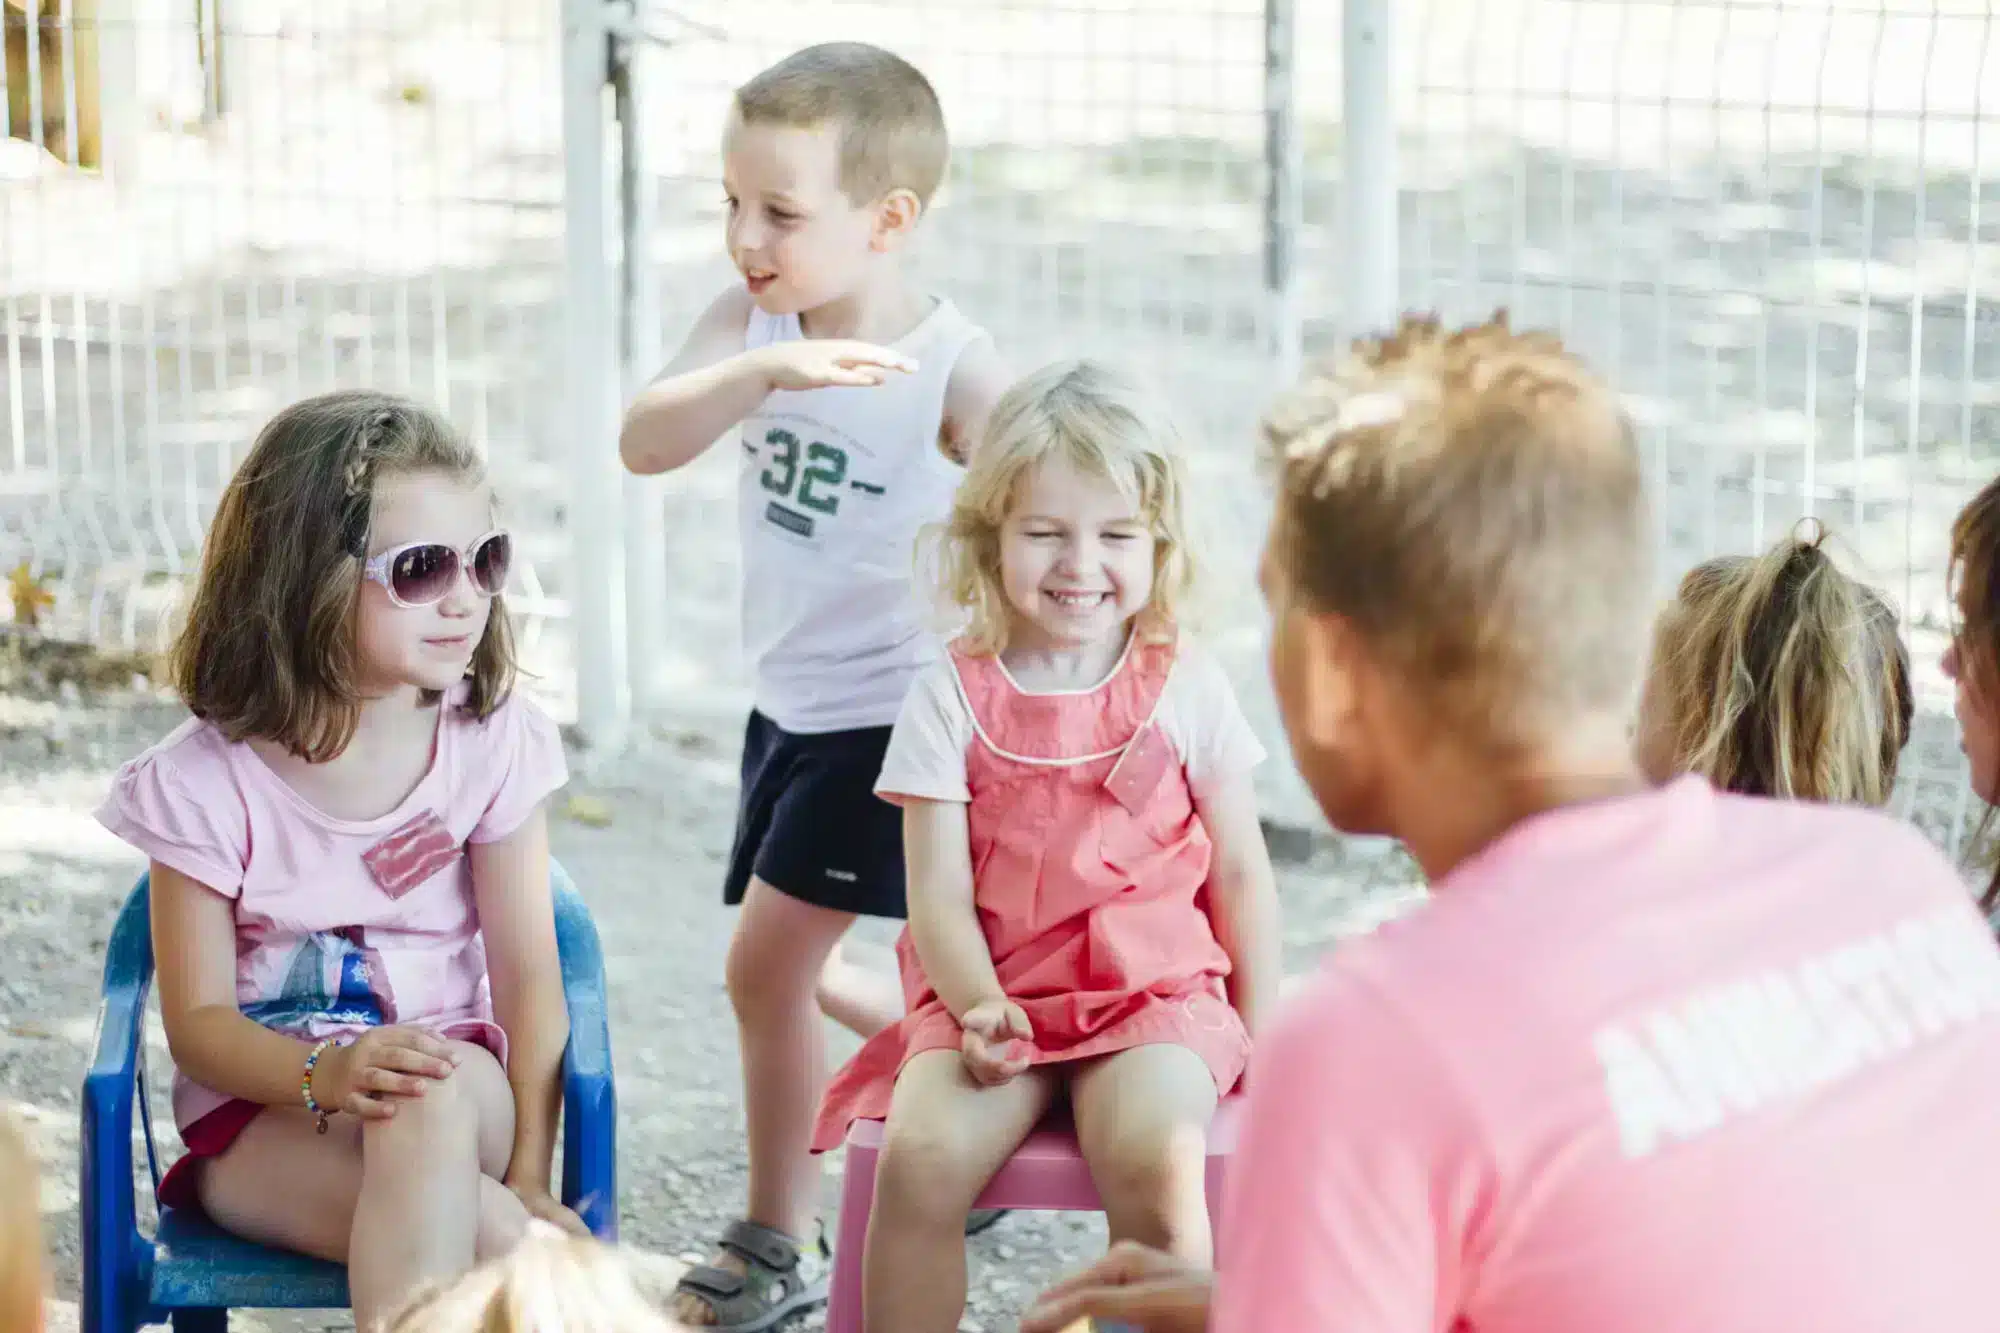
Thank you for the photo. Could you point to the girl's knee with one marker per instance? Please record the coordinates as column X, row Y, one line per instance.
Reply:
column 503, row 1221
column 1157, row 1182
column 928, row 1175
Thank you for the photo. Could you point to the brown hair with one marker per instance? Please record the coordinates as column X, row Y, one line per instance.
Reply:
column 549, row 1283
column 892, row 133
column 1102, row 422
column 1471, row 501
column 268, row 649
column 1975, row 587
column 1781, row 676
column 21, row 1282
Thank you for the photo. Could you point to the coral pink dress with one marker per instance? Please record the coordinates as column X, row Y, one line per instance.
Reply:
column 1088, row 866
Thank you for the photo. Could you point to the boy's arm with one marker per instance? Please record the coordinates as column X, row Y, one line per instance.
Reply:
column 713, row 382
column 978, row 379
column 1242, row 893
column 944, row 926
column 709, row 386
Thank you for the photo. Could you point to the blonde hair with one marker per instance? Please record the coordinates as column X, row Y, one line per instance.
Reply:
column 1101, row 422
column 21, row 1282
column 892, row 133
column 549, row 1283
column 1470, row 500
column 1781, row 676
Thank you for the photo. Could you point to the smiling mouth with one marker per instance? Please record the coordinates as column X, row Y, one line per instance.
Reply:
column 757, row 282
column 1077, row 601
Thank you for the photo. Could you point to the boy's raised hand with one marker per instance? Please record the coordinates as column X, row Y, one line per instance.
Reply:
column 998, row 1041
column 822, row 363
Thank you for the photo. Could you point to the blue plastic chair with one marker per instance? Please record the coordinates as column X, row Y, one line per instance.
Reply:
column 192, row 1274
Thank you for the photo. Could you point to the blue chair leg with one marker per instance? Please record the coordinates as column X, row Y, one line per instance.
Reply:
column 201, row 1321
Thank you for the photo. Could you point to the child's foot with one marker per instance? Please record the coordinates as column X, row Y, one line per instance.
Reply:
column 761, row 1278
column 983, row 1219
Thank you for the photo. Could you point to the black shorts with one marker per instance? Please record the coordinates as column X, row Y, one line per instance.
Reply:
column 808, row 821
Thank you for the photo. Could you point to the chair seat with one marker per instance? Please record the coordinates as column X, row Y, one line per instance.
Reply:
column 196, row 1264
column 1047, row 1172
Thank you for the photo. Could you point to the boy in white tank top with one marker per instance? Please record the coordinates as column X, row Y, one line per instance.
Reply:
column 858, row 396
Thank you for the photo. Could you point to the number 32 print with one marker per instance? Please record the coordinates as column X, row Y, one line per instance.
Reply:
column 812, row 476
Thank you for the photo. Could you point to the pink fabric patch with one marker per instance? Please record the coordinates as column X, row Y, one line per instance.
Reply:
column 412, row 854
column 1148, row 758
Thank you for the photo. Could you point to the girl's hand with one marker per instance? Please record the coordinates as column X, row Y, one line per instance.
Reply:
column 820, row 363
column 1131, row 1285
column 366, row 1077
column 543, row 1206
column 998, row 1041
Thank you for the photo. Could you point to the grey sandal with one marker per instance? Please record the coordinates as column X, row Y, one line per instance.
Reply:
column 983, row 1219
column 782, row 1281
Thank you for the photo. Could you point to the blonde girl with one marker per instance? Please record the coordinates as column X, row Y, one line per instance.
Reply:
column 1778, row 675
column 1091, row 906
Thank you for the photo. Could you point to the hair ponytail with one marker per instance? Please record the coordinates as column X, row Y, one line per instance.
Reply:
column 1790, row 678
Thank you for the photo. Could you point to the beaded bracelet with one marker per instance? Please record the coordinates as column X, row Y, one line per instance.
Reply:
column 306, row 1083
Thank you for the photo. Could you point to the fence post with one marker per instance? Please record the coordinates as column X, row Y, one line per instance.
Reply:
column 596, row 509
column 640, row 354
column 1284, row 195
column 1369, row 260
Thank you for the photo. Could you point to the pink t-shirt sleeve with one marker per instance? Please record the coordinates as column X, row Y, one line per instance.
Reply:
column 523, row 752
column 1357, row 1180
column 189, row 818
column 926, row 754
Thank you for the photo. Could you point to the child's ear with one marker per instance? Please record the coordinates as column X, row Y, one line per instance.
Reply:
column 895, row 218
column 1336, row 660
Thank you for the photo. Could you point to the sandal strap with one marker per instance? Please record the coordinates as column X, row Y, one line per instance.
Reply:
column 712, row 1284
column 767, row 1247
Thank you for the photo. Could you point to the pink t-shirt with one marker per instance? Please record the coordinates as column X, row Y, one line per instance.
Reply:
column 329, row 943
column 1678, row 1062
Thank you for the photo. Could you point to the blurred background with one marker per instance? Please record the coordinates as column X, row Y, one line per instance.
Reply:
column 1767, row 220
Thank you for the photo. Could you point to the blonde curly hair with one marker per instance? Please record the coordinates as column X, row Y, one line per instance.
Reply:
column 1103, row 423
column 549, row 1283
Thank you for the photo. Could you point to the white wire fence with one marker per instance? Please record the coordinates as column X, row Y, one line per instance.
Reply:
column 1769, row 220
column 265, row 199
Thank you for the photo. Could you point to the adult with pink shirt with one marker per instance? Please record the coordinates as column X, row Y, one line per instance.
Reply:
column 1652, row 1058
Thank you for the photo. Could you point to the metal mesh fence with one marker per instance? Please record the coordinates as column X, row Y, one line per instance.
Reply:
column 278, row 198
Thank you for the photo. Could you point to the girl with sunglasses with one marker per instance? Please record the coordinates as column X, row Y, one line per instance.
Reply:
column 350, row 869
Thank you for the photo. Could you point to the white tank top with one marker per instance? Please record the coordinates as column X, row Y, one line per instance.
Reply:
column 834, row 487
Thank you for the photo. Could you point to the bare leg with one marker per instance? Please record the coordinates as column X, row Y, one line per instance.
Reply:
column 773, row 970
column 945, row 1138
column 1142, row 1121
column 402, row 1210
column 859, row 998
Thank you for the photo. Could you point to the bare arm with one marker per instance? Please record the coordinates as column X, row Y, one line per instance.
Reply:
column 713, row 383
column 944, row 926
column 1242, row 894
column 510, row 886
column 709, row 386
column 978, row 379
column 194, row 939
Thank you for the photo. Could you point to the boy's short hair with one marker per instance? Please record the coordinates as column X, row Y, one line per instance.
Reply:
column 1471, row 500
column 892, row 133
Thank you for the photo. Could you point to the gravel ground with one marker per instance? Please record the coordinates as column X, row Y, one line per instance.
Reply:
column 651, row 876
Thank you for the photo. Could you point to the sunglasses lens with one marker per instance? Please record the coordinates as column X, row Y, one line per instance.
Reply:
column 491, row 562
column 423, row 574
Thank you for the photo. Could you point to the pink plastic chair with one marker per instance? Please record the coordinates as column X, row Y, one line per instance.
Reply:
column 1046, row 1174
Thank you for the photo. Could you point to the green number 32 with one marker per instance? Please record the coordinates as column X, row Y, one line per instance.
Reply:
column 826, row 467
